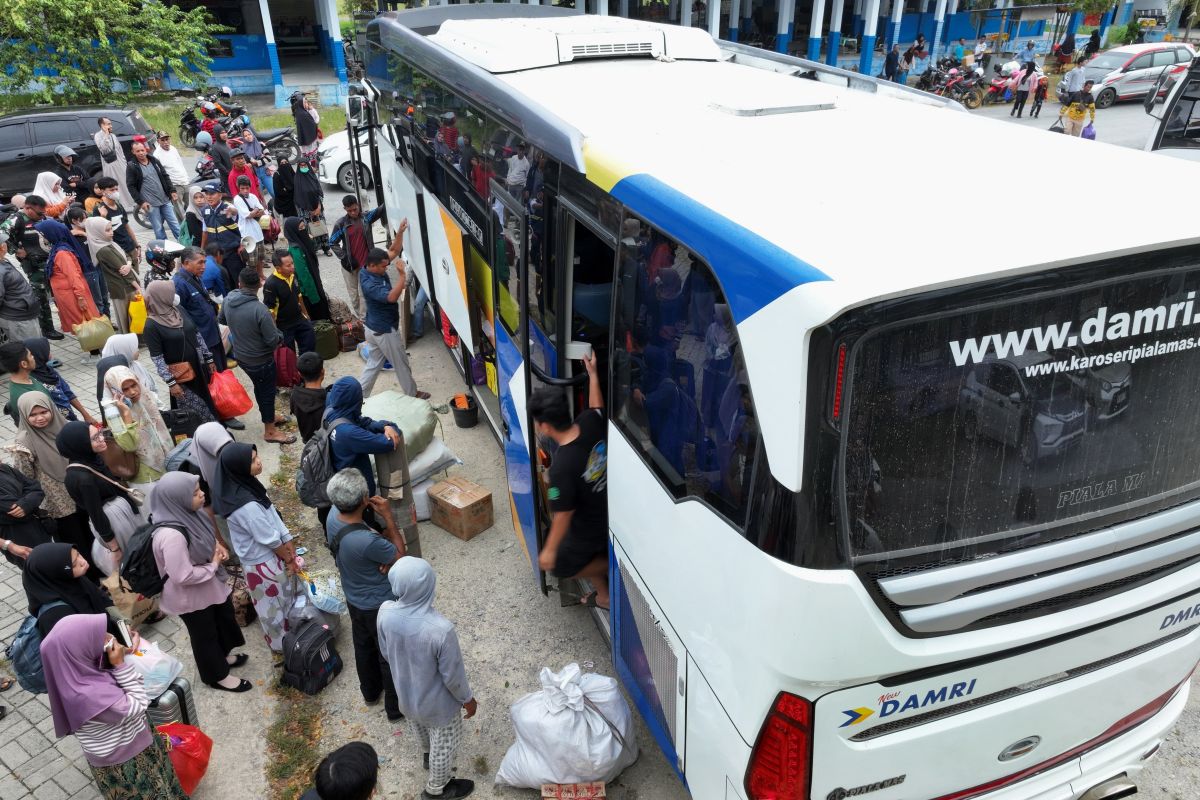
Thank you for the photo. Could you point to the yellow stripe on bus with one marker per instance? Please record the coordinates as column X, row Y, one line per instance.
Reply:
column 454, row 240
column 604, row 168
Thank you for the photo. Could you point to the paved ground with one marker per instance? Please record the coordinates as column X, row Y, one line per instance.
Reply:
column 1123, row 124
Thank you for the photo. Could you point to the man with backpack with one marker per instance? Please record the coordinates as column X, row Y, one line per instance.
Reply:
column 363, row 556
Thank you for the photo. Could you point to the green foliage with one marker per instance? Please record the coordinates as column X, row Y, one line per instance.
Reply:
column 71, row 52
column 1123, row 34
column 1092, row 6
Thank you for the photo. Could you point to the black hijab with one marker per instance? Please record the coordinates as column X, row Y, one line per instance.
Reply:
column 74, row 443
column 308, row 193
column 301, row 239
column 40, row 348
column 233, row 485
column 306, row 126
column 285, row 189
column 48, row 579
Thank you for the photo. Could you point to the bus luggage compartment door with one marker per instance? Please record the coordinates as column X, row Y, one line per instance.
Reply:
column 938, row 735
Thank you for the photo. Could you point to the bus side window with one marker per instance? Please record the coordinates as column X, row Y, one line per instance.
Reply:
column 1183, row 127
column 680, row 390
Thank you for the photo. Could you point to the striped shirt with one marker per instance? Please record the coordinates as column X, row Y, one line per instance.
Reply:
column 119, row 732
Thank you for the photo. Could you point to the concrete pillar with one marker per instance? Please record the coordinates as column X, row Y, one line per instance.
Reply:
column 893, row 32
column 714, row 18
column 783, row 30
column 1073, row 23
column 602, row 8
column 816, row 27
column 623, row 9
column 735, row 18
column 856, row 19
column 272, row 51
column 866, row 57
column 924, row 7
column 335, row 44
column 685, row 13
column 1126, row 12
column 939, row 20
column 834, row 42
column 1105, row 21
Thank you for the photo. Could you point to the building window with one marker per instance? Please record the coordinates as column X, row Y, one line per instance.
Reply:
column 680, row 390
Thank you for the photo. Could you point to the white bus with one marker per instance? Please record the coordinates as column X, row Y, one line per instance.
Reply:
column 1177, row 132
column 897, row 509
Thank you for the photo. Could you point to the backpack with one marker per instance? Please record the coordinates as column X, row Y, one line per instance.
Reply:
column 337, row 540
column 287, row 374
column 24, row 653
column 138, row 567
column 310, row 658
column 316, row 466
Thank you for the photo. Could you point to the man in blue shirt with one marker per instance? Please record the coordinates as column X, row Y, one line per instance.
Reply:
column 221, row 228
column 382, row 325
column 195, row 302
column 214, row 274
column 363, row 556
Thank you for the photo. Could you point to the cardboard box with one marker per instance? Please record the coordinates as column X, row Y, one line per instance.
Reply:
column 573, row 791
column 460, row 507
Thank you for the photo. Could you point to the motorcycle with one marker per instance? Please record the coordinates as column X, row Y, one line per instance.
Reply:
column 189, row 126
column 281, row 141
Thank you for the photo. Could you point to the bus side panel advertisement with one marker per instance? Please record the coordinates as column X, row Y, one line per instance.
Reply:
column 449, row 267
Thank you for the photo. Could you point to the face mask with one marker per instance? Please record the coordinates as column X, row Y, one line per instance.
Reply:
column 304, row 169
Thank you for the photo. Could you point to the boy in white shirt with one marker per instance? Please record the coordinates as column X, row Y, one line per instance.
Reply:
column 250, row 210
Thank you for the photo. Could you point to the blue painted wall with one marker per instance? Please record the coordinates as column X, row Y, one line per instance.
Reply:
column 249, row 52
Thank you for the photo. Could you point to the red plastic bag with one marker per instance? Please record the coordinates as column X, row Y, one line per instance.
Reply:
column 189, row 749
column 228, row 395
column 287, row 374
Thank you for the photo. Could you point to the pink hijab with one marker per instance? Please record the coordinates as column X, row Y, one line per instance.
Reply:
column 79, row 687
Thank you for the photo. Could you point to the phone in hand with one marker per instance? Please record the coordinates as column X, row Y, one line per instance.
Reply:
column 126, row 636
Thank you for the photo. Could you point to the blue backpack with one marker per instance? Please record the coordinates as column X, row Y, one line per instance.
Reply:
column 25, row 652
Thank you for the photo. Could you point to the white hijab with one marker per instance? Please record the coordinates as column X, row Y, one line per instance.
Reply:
column 49, row 188
column 126, row 344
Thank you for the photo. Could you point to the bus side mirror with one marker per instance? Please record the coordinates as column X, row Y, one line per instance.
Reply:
column 356, row 110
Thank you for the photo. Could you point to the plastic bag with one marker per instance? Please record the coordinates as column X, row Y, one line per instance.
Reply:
column 430, row 461
column 577, row 729
column 189, row 749
column 412, row 416
column 1089, row 131
column 157, row 668
column 325, row 588
column 137, row 314
column 93, row 333
column 228, row 396
column 301, row 608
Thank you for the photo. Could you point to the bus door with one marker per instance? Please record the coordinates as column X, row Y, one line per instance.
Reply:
column 524, row 348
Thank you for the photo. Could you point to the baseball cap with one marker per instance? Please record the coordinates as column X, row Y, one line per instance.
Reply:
column 237, row 151
column 212, row 188
column 162, row 135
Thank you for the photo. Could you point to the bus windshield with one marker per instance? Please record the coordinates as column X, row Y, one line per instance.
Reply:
column 1013, row 419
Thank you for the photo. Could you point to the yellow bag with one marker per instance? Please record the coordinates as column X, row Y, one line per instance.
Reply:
column 93, row 333
column 137, row 314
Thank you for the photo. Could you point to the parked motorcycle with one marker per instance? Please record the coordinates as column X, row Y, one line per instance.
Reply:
column 281, row 142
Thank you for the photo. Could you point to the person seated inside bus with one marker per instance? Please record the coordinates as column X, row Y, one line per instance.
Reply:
column 577, row 546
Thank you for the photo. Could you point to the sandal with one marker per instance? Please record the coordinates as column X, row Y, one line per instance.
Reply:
column 289, row 439
column 6, row 684
column 422, row 395
column 589, row 601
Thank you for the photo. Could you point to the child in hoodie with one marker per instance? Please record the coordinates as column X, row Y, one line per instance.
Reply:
column 308, row 401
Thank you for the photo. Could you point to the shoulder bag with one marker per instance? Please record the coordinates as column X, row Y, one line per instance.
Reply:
column 137, row 495
column 182, row 371
column 119, row 462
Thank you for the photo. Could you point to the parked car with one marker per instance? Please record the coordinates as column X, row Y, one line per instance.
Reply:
column 1105, row 388
column 335, row 161
column 28, row 139
column 1129, row 72
column 1039, row 416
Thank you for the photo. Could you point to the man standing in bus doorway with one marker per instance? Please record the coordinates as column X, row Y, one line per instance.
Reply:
column 577, row 546
column 382, row 325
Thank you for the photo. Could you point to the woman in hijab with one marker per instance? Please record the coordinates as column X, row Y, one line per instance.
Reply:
column 60, row 391
column 100, row 699
column 422, row 651
column 258, row 535
column 48, row 186
column 112, row 510
column 56, row 586
column 119, row 276
column 306, row 118
column 285, row 189
column 207, row 442
column 187, row 552
column 144, row 431
column 308, row 198
column 74, row 219
column 20, row 528
column 308, row 269
column 173, row 339
column 72, row 296
column 193, row 220
column 121, row 350
column 35, row 455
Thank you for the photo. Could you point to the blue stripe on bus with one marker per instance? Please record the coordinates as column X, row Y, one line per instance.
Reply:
column 752, row 271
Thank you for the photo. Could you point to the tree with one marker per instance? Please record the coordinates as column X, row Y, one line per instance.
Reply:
column 73, row 51
column 1187, row 11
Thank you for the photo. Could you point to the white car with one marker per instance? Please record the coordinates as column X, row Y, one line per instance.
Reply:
column 334, row 165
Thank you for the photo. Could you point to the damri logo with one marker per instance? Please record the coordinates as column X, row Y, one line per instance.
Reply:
column 890, row 704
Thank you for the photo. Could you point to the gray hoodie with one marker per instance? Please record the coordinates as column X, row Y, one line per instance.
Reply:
column 255, row 336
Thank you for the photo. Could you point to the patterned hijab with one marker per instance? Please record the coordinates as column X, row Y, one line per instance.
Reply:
column 153, row 438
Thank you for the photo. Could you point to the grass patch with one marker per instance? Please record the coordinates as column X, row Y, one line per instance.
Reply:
column 292, row 753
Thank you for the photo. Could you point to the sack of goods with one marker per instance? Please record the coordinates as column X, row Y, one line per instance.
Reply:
column 326, row 589
column 577, row 729
column 93, row 333
column 189, row 749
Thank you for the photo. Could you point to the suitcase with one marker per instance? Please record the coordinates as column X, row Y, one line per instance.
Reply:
column 351, row 333
column 310, row 658
column 176, row 704
column 329, row 344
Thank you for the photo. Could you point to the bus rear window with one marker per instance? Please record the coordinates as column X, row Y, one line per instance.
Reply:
column 1016, row 418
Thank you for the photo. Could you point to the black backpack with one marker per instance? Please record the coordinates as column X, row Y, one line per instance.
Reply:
column 316, row 466
column 138, row 567
column 310, row 658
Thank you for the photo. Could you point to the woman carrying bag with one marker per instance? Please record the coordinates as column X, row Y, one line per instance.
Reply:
column 100, row 700
column 113, row 510
column 259, row 537
column 119, row 275
column 180, row 356
column 186, row 550
column 143, row 430
column 34, row 453
column 72, row 296
column 308, row 269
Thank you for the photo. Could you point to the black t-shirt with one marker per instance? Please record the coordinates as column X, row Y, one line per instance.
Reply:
column 579, row 483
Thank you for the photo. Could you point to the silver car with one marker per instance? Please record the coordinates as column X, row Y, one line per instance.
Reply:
column 1129, row 72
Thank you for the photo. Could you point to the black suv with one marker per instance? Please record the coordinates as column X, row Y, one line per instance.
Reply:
column 28, row 139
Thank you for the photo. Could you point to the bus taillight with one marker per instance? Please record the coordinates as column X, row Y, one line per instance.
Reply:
column 779, row 765
column 839, row 382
